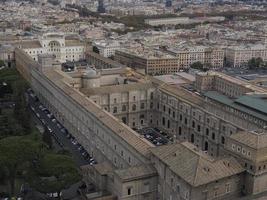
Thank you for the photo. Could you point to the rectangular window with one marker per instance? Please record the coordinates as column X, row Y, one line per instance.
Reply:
column 227, row 188
column 146, row 187
column 129, row 190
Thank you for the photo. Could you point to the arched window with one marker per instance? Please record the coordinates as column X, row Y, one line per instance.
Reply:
column 206, row 147
column 193, row 124
column 151, row 95
column 213, row 136
column 169, row 124
column 192, row 138
column 123, row 108
column 124, row 120
column 223, row 140
column 134, row 107
column 207, row 131
column 180, row 130
column 115, row 110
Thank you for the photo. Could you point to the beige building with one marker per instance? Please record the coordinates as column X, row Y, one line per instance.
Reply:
column 153, row 62
column 211, row 57
column 187, row 173
column 99, row 107
column 238, row 56
column 171, row 60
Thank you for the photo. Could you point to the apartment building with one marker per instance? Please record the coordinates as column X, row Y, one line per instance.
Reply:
column 153, row 62
column 238, row 56
column 106, row 48
column 219, row 152
column 211, row 57
column 101, row 62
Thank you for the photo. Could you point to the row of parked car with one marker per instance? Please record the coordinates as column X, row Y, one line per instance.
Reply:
column 63, row 130
column 155, row 136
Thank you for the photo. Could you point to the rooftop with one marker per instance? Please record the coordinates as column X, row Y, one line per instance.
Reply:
column 252, row 104
column 255, row 140
column 194, row 166
column 124, row 132
column 136, row 172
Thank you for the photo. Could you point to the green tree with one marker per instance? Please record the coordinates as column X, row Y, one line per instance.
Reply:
column 47, row 138
column 255, row 63
column 259, row 62
column 20, row 111
column 95, row 49
column 197, row 65
column 2, row 63
column 15, row 153
column 54, row 173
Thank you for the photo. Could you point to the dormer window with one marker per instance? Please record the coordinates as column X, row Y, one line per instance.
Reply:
column 233, row 147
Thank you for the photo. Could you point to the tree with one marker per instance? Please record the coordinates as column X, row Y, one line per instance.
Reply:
column 259, row 62
column 95, row 49
column 255, row 63
column 15, row 153
column 47, row 138
column 20, row 110
column 54, row 173
column 2, row 63
column 197, row 65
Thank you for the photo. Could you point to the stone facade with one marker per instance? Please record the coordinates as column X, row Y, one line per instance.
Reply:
column 98, row 126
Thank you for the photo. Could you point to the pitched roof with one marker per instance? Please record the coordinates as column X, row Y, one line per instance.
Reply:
column 140, row 145
column 136, row 172
column 253, row 139
column 194, row 166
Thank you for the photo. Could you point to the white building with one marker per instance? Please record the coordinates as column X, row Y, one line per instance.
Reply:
column 57, row 44
column 107, row 48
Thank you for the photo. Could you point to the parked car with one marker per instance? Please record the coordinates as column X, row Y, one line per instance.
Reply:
column 59, row 125
column 74, row 141
column 43, row 121
column 50, row 115
column 63, row 130
column 49, row 129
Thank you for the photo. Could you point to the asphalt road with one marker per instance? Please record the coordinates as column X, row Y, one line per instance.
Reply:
column 60, row 137
column 60, row 142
